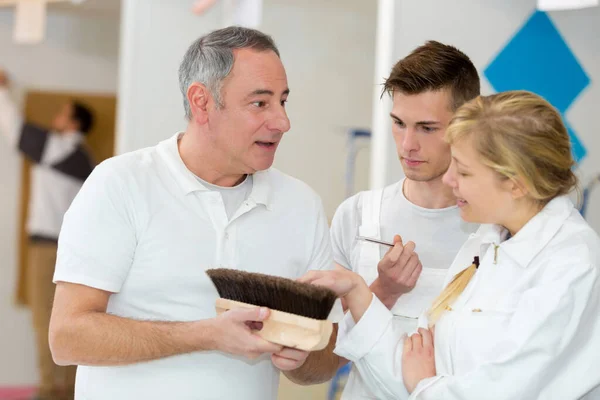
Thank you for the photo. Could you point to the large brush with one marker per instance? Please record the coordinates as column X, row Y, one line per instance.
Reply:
column 299, row 311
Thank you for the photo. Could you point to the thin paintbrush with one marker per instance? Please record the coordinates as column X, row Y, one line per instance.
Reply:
column 368, row 239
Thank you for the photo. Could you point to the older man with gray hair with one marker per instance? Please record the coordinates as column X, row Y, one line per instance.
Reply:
column 134, row 307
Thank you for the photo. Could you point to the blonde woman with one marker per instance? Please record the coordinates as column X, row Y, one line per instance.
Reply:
column 520, row 315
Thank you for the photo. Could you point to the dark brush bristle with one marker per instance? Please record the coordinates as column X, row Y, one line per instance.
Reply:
column 273, row 292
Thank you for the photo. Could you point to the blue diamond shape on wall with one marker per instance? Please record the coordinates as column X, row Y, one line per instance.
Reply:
column 538, row 59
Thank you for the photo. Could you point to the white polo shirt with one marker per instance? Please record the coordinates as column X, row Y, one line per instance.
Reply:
column 146, row 229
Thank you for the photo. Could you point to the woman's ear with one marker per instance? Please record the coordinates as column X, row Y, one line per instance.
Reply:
column 517, row 188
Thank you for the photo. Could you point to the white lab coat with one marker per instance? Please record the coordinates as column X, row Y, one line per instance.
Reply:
column 526, row 327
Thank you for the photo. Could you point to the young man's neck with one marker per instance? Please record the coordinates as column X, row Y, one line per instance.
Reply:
column 431, row 194
column 204, row 161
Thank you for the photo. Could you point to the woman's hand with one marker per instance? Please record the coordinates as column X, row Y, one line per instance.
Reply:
column 418, row 358
column 342, row 282
column 351, row 287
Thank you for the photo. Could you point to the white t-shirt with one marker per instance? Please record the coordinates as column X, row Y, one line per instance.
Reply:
column 437, row 233
column 144, row 228
column 232, row 197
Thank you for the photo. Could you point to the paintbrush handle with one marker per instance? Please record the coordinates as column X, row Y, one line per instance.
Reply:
column 287, row 329
column 368, row 239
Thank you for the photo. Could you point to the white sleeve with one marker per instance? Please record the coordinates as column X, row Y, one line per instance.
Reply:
column 555, row 328
column 11, row 119
column 344, row 228
column 374, row 344
column 97, row 241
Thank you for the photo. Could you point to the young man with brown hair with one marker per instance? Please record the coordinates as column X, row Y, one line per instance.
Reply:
column 427, row 87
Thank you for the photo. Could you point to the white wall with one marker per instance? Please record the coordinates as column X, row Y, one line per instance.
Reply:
column 482, row 28
column 154, row 37
column 79, row 54
column 327, row 49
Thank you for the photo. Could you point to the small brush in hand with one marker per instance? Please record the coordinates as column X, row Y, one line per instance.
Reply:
column 299, row 311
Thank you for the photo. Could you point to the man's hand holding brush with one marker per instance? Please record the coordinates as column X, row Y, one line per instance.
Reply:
column 234, row 333
column 293, row 315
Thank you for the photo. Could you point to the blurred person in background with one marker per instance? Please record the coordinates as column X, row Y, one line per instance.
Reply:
column 61, row 163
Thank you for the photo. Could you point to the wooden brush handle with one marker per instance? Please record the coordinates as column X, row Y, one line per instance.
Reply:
column 287, row 329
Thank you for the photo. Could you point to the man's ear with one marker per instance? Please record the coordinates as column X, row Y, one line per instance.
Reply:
column 198, row 97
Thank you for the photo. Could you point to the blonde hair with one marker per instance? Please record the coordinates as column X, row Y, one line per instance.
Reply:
column 520, row 136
